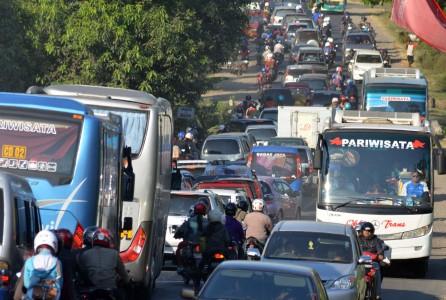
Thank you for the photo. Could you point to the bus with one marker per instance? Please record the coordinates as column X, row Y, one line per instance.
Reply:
column 147, row 126
column 369, row 164
column 70, row 158
column 395, row 90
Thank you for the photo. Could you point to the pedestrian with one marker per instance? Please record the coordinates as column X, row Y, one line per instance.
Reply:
column 410, row 53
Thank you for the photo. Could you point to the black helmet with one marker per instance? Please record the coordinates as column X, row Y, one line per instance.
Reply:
column 248, row 97
column 243, row 205
column 230, row 209
column 368, row 227
column 88, row 235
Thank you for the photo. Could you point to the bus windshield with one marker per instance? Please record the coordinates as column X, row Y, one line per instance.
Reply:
column 377, row 168
column 134, row 124
column 402, row 99
column 34, row 146
column 274, row 164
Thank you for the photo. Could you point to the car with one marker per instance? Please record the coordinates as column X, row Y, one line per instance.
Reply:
column 332, row 250
column 269, row 113
column 281, row 11
column 290, row 30
column 262, row 133
column 287, row 141
column 316, row 82
column 239, row 125
column 229, row 195
column 223, row 169
column 280, row 201
column 355, row 40
column 300, row 91
column 293, row 72
column 276, row 97
column 364, row 60
column 310, row 56
column 304, row 36
column 226, row 146
column 323, row 98
column 260, row 281
column 251, row 187
column 181, row 203
column 196, row 167
column 333, row 7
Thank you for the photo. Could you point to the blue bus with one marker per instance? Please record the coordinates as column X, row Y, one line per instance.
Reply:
column 70, row 158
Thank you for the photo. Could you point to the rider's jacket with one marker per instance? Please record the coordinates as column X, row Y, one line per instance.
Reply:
column 258, row 225
column 193, row 229
column 217, row 237
column 234, row 229
column 372, row 244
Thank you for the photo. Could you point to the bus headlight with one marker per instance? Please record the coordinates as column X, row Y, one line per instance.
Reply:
column 417, row 232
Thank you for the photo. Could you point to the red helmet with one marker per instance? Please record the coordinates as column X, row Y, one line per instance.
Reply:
column 200, row 209
column 65, row 237
column 102, row 237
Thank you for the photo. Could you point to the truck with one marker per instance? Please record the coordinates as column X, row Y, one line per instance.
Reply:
column 303, row 121
column 379, row 167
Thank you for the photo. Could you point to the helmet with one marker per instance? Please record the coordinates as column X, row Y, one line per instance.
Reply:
column 200, row 208
column 263, row 70
column 215, row 216
column 339, row 69
column 102, row 237
column 45, row 238
column 88, row 235
column 243, row 205
column 65, row 237
column 230, row 209
column 327, row 44
column 330, row 40
column 189, row 136
column 349, row 82
column 334, row 100
column 181, row 135
column 257, row 205
column 248, row 97
column 347, row 106
column 368, row 227
column 266, row 47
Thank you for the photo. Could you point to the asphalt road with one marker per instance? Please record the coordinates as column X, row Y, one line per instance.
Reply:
column 398, row 282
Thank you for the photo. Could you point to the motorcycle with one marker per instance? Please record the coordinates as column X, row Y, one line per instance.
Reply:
column 371, row 266
column 330, row 57
column 192, row 256
column 216, row 258
column 252, row 243
column 386, row 58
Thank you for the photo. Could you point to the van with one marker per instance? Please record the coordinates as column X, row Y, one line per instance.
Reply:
column 20, row 222
column 232, row 146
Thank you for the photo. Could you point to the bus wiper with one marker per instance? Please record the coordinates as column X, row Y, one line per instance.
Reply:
column 356, row 199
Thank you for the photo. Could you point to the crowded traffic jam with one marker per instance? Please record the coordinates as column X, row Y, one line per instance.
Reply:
column 310, row 189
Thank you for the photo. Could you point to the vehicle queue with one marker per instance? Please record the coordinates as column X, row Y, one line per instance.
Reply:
column 87, row 173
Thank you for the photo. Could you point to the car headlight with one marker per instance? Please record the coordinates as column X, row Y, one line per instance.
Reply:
column 346, row 282
column 417, row 232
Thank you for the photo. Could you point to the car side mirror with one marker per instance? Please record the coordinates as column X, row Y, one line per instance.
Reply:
column 440, row 160
column 364, row 259
column 188, row 294
column 253, row 253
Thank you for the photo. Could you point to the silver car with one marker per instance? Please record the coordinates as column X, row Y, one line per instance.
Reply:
column 330, row 249
column 230, row 146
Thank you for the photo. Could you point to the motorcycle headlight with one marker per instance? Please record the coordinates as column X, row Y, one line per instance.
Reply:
column 417, row 232
column 345, row 282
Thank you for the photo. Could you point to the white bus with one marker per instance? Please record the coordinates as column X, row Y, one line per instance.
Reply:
column 147, row 126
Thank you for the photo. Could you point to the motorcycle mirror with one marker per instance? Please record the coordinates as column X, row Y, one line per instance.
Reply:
column 253, row 253
column 188, row 294
column 364, row 259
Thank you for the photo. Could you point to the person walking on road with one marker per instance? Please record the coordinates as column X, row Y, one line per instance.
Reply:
column 410, row 53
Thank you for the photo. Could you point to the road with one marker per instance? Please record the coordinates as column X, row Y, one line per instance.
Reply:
column 398, row 283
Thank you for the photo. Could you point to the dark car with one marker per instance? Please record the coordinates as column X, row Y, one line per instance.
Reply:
column 276, row 97
column 357, row 40
column 300, row 91
column 302, row 38
column 317, row 82
column 322, row 98
column 240, row 125
column 293, row 72
column 260, row 281
column 309, row 56
column 287, row 141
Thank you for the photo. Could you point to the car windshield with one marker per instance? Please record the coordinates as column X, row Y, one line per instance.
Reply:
column 369, row 59
column 269, row 114
column 43, row 146
column 311, row 57
column 134, row 123
column 320, row 99
column 305, row 36
column 315, row 84
column 377, row 168
column 359, row 39
column 295, row 27
column 221, row 146
column 274, row 164
column 180, row 205
column 263, row 134
column 257, row 284
column 228, row 170
column 312, row 246
column 394, row 99
column 283, row 12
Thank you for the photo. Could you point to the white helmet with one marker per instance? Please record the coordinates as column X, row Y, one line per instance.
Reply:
column 189, row 136
column 327, row 19
column 215, row 216
column 257, row 205
column 45, row 237
column 327, row 44
column 330, row 39
column 266, row 48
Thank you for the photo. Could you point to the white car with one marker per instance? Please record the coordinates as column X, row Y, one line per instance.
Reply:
column 181, row 202
column 364, row 60
column 228, row 196
column 262, row 133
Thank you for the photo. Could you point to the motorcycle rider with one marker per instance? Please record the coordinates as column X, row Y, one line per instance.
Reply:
column 100, row 266
column 234, row 227
column 279, row 50
column 258, row 224
column 189, row 148
column 44, row 268
column 337, row 79
column 217, row 237
column 68, row 261
column 369, row 242
column 242, row 210
column 350, row 89
column 329, row 52
column 267, row 53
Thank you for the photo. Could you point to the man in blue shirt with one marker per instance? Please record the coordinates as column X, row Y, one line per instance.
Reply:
column 415, row 187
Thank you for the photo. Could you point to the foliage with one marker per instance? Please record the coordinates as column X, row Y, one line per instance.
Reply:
column 166, row 47
column 212, row 113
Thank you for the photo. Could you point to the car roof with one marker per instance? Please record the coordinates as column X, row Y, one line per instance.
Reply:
column 270, row 109
column 312, row 226
column 307, row 29
column 266, row 267
column 190, row 193
column 313, row 76
column 274, row 149
column 251, row 121
column 221, row 191
column 261, row 126
column 367, row 51
column 327, row 92
column 353, row 32
column 310, row 49
column 229, row 135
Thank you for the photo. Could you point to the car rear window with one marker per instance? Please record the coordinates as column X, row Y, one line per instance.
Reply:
column 315, row 84
column 305, row 36
column 271, row 115
column 180, row 205
column 359, row 39
column 262, row 134
column 322, row 99
column 281, row 97
column 367, row 58
column 221, row 146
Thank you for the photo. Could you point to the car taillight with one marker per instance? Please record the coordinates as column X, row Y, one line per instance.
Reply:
column 249, row 160
column 136, row 247
column 219, row 256
column 77, row 236
column 4, row 273
column 197, row 248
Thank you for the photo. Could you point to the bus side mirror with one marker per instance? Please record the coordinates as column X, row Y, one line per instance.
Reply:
column 317, row 160
column 440, row 160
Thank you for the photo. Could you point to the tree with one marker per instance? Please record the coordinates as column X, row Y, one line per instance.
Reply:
column 163, row 47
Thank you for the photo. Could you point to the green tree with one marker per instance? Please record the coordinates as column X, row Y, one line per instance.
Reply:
column 163, row 47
